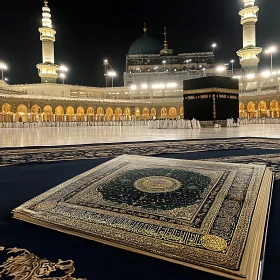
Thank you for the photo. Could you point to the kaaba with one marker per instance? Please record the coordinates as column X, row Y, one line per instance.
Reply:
column 213, row 98
column 209, row 216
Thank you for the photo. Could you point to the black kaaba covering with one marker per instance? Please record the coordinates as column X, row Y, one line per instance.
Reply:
column 211, row 98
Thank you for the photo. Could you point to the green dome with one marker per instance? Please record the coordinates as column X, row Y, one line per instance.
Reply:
column 145, row 45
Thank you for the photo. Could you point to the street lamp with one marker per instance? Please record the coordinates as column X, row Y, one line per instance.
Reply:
column 112, row 74
column 214, row 45
column 270, row 51
column 63, row 68
column 164, row 62
column 232, row 61
column 62, row 76
column 3, row 67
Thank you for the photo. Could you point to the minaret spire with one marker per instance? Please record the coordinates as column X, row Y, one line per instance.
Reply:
column 145, row 28
column 165, row 49
column 249, row 54
column 165, row 44
column 47, row 69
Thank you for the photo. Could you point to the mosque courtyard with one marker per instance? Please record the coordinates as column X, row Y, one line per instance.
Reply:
column 79, row 135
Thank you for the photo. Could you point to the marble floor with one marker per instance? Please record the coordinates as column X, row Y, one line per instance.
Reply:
column 56, row 136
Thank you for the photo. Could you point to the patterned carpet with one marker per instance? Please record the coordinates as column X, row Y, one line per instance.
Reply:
column 22, row 179
column 10, row 156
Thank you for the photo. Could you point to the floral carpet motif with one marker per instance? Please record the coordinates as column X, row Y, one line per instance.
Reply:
column 44, row 154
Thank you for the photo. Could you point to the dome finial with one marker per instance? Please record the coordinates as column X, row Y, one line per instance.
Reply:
column 165, row 44
column 46, row 2
column 145, row 28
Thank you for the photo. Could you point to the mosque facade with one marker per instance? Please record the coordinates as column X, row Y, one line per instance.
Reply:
column 152, row 82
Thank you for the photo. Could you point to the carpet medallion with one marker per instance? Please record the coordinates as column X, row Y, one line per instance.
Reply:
column 203, row 214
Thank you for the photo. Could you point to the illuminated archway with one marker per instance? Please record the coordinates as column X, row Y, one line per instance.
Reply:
column 70, row 114
column 109, row 114
column 48, row 113
column 163, row 113
column 137, row 113
column 80, row 114
column 274, row 108
column 127, row 113
column 100, row 114
column 251, row 109
column 22, row 113
column 262, row 108
column 7, row 115
column 145, row 113
column 153, row 113
column 241, row 110
column 118, row 114
column 90, row 114
column 59, row 113
column 172, row 113
column 181, row 112
column 35, row 113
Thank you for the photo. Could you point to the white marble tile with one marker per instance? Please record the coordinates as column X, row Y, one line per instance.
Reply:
column 54, row 136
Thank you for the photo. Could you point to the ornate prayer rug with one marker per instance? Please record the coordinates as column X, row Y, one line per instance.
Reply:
column 10, row 156
column 206, row 215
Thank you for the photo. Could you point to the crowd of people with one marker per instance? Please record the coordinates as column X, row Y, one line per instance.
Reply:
column 231, row 122
column 69, row 124
column 260, row 121
column 173, row 124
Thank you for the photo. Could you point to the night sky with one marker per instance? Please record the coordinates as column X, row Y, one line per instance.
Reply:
column 88, row 32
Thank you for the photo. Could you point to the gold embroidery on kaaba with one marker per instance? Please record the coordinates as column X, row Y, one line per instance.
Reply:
column 210, row 90
column 25, row 265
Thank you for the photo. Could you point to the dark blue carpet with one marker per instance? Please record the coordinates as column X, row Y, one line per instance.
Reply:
column 93, row 260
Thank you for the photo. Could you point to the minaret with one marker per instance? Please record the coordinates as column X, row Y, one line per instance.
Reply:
column 249, row 55
column 165, row 49
column 47, row 69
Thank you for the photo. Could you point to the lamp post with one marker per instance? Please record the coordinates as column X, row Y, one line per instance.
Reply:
column 164, row 62
column 214, row 45
column 270, row 51
column 112, row 74
column 62, row 76
column 3, row 67
column 232, row 61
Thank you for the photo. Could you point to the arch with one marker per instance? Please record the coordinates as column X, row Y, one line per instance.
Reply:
column 163, row 113
column 127, row 113
column 100, row 114
column 22, row 113
column 48, row 113
column 241, row 110
column 251, row 109
column 35, row 113
column 274, row 105
column 118, row 114
column 145, row 113
column 262, row 108
column 153, row 113
column 181, row 112
column 109, row 114
column 90, row 114
column 70, row 114
column 274, row 108
column 172, row 113
column 80, row 114
column 137, row 113
column 59, row 113
column 7, row 112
